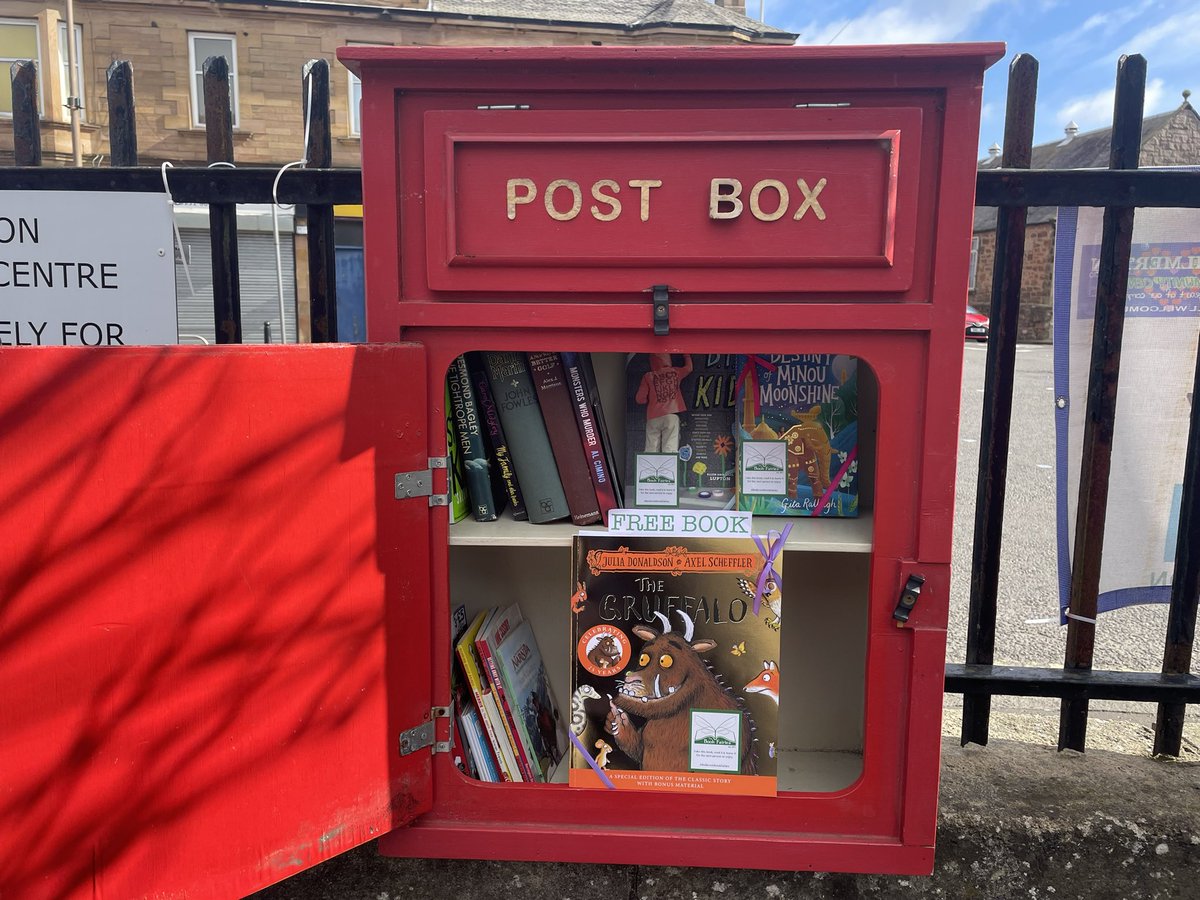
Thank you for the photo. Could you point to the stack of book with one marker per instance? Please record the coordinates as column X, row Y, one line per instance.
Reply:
column 773, row 435
column 506, row 712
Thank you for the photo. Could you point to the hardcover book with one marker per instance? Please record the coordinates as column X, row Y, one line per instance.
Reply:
column 459, row 506
column 498, row 453
column 521, row 416
column 532, row 700
column 549, row 379
column 483, row 480
column 587, row 419
column 798, row 435
column 679, row 430
column 610, row 455
column 675, row 663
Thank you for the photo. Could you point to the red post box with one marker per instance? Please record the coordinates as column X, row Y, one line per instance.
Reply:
column 700, row 201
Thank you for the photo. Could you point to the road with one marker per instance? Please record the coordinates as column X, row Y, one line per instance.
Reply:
column 1128, row 639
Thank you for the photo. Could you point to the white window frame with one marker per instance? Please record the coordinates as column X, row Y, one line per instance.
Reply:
column 6, row 62
column 195, row 76
column 64, row 73
column 354, row 121
column 974, row 262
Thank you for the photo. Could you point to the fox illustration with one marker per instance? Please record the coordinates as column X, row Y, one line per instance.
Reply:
column 766, row 681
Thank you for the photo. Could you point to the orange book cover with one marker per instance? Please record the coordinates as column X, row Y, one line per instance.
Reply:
column 675, row 663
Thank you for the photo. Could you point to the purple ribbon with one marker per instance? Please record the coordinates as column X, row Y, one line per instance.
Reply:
column 774, row 546
column 591, row 762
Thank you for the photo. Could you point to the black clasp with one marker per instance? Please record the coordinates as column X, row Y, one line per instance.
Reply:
column 908, row 599
column 662, row 310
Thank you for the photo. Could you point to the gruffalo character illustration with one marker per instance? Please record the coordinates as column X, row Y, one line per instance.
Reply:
column 670, row 681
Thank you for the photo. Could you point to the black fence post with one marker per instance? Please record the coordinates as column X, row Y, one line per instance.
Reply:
column 1185, row 587
column 222, row 217
column 122, row 122
column 322, row 269
column 1111, row 288
column 997, row 397
column 27, row 125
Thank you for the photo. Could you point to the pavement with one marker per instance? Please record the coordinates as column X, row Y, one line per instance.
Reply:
column 1017, row 819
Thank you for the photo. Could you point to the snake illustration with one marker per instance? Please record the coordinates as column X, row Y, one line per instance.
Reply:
column 578, row 716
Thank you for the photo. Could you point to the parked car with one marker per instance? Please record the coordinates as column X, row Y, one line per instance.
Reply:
column 978, row 326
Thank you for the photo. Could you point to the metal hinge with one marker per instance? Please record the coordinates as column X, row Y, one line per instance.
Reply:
column 422, row 736
column 419, row 484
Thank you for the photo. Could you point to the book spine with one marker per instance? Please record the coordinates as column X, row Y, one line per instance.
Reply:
column 503, row 470
column 589, row 435
column 476, row 740
column 459, row 507
column 521, row 416
column 592, row 386
column 470, row 666
column 511, row 728
column 494, row 718
column 471, row 443
column 550, row 381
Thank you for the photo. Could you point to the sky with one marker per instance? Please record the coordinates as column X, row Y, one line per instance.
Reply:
column 1077, row 45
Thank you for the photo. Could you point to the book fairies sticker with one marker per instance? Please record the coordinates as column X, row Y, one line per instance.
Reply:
column 764, row 467
column 716, row 741
column 657, row 479
column 671, row 638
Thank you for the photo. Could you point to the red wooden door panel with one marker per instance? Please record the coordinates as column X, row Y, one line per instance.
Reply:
column 213, row 613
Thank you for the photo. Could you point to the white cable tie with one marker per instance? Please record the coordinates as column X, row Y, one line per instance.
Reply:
column 175, row 225
column 1071, row 615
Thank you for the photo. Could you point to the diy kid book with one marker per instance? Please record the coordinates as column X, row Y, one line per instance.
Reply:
column 798, row 435
column 679, row 430
column 675, row 663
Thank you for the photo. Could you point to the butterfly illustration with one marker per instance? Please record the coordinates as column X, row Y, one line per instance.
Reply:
column 738, row 649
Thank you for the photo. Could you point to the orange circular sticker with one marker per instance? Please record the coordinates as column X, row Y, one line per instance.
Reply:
column 604, row 650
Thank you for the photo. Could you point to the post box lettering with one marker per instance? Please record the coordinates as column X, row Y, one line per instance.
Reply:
column 522, row 191
column 725, row 199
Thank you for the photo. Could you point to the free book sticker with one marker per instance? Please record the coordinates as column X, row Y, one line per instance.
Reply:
column 716, row 741
column 657, row 479
column 764, row 467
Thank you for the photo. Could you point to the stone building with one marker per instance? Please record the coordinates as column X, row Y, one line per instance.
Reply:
column 1168, row 139
column 267, row 43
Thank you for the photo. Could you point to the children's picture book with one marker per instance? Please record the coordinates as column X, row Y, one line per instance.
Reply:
column 531, row 698
column 489, row 711
column 675, row 663
column 798, row 435
column 496, row 628
column 679, row 430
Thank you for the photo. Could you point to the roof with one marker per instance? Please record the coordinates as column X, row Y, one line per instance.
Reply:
column 1091, row 149
column 629, row 14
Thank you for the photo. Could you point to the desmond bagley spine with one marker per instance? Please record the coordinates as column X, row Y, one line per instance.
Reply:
column 502, row 467
column 589, row 435
column 521, row 417
column 472, row 444
column 555, row 399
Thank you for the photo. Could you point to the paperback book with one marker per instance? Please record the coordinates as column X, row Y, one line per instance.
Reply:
column 679, row 430
column 798, row 435
column 527, row 687
column 675, row 664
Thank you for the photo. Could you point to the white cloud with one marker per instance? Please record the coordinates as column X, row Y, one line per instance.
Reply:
column 902, row 22
column 1096, row 111
column 1173, row 35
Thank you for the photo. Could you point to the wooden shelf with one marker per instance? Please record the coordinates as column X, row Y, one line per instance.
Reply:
column 824, row 535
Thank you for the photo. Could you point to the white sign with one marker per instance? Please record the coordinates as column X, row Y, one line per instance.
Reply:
column 680, row 522
column 1154, row 399
column 86, row 268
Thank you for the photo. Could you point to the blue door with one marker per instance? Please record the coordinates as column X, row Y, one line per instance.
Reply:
column 351, row 295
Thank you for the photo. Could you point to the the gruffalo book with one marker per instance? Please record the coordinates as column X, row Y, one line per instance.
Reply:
column 798, row 435
column 675, row 663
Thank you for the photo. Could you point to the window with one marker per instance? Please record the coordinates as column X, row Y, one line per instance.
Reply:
column 64, row 72
column 356, row 93
column 974, row 263
column 18, row 40
column 200, row 47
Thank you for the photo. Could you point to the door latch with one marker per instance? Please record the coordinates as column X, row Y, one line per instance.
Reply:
column 908, row 599
column 662, row 310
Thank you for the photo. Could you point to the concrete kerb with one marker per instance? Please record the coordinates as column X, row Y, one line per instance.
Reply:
column 1017, row 820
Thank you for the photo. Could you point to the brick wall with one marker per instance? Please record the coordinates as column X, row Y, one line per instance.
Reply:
column 1037, row 281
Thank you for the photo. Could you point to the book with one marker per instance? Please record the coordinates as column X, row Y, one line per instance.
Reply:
column 477, row 746
column 675, row 662
column 529, row 445
column 482, row 480
column 455, row 477
column 532, row 699
column 593, row 391
column 798, row 435
column 489, row 712
column 586, row 420
column 679, row 430
column 463, row 758
column 495, row 629
column 497, row 444
column 554, row 399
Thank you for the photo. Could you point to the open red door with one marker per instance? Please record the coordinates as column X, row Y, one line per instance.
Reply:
column 214, row 615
